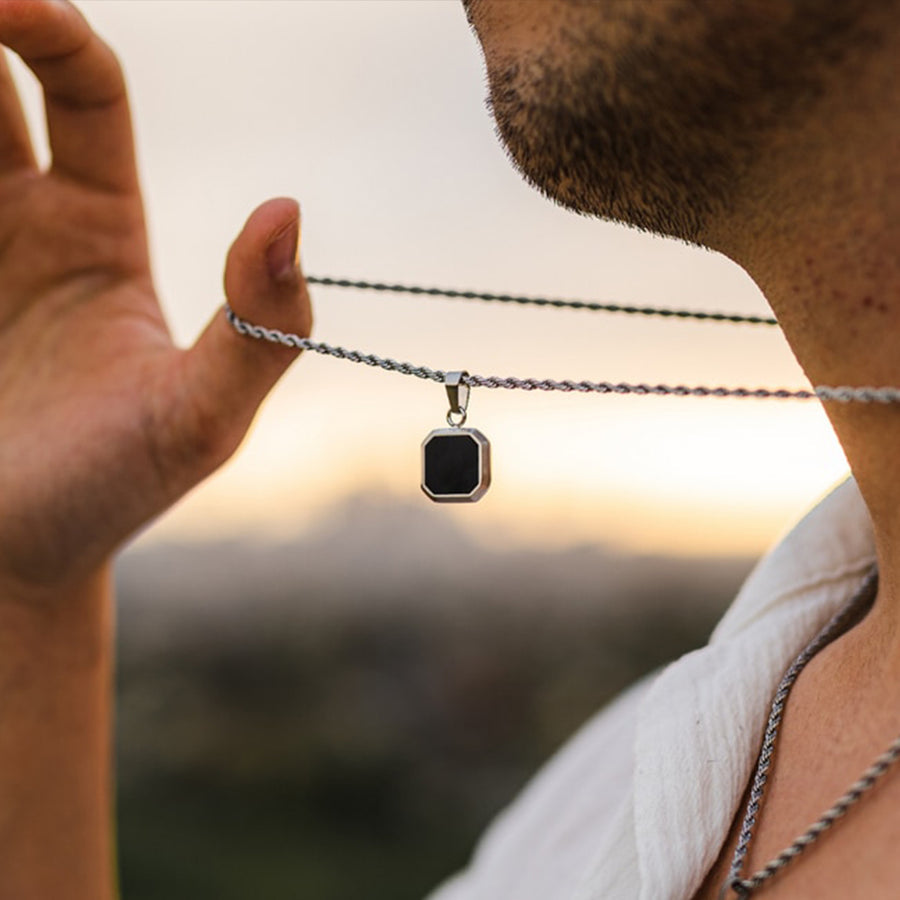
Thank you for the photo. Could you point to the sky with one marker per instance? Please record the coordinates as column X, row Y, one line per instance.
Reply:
column 372, row 114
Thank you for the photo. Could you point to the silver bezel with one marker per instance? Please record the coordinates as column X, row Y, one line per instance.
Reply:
column 484, row 466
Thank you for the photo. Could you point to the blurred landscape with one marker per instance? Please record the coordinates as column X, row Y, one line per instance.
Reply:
column 339, row 716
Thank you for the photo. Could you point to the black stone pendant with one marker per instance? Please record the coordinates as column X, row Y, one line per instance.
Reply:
column 456, row 465
column 456, row 461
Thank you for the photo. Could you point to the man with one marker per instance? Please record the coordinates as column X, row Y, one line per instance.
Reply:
column 769, row 130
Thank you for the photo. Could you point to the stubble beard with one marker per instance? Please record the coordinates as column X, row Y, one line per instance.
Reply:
column 665, row 135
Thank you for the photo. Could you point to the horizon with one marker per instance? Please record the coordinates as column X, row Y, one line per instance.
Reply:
column 373, row 115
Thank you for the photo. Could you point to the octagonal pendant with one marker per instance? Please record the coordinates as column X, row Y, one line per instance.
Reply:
column 456, row 465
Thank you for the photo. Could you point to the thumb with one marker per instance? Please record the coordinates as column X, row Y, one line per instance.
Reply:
column 228, row 375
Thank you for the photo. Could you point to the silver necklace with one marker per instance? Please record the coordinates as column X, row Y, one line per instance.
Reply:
column 735, row 882
column 556, row 302
column 456, row 460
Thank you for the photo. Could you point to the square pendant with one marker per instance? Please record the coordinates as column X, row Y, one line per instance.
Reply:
column 456, row 465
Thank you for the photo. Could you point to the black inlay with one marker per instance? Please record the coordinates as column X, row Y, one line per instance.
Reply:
column 452, row 464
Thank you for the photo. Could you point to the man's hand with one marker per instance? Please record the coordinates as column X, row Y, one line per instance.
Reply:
column 103, row 422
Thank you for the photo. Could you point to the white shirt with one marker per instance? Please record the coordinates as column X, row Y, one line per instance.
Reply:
column 638, row 804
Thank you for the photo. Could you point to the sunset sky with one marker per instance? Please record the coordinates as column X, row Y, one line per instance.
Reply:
column 373, row 115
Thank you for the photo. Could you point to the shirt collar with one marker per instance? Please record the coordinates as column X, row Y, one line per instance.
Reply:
column 700, row 724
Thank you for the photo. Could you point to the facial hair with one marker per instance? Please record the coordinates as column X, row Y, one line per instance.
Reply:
column 658, row 116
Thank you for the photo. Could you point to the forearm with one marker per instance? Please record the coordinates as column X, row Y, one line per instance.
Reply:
column 56, row 799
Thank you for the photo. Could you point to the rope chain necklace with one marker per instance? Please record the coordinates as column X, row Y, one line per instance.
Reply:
column 456, row 460
column 456, row 468
column 743, row 887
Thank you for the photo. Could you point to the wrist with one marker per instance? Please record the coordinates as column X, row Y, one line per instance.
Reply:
column 56, row 663
column 66, row 625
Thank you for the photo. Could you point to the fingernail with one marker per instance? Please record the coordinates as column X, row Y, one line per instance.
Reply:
column 281, row 254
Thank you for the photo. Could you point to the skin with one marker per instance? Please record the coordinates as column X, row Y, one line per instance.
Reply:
column 103, row 425
column 769, row 131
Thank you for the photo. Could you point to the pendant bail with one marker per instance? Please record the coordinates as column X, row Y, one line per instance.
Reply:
column 458, row 395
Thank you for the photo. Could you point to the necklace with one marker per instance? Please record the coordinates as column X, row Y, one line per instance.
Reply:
column 456, row 460
column 743, row 887
column 556, row 302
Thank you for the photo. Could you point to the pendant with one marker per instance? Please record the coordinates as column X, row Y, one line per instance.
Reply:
column 456, row 461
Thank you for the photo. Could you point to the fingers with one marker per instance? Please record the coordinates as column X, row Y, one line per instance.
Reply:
column 88, row 119
column 228, row 375
column 15, row 144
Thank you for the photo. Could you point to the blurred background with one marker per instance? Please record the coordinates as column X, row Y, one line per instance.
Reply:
column 327, row 685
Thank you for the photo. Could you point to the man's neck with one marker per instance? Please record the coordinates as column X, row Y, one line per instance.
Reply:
column 823, row 243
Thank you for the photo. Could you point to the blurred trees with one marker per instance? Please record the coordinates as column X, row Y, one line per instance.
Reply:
column 340, row 717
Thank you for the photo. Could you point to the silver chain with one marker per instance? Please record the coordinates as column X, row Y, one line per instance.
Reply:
column 589, row 305
column 839, row 394
column 744, row 887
